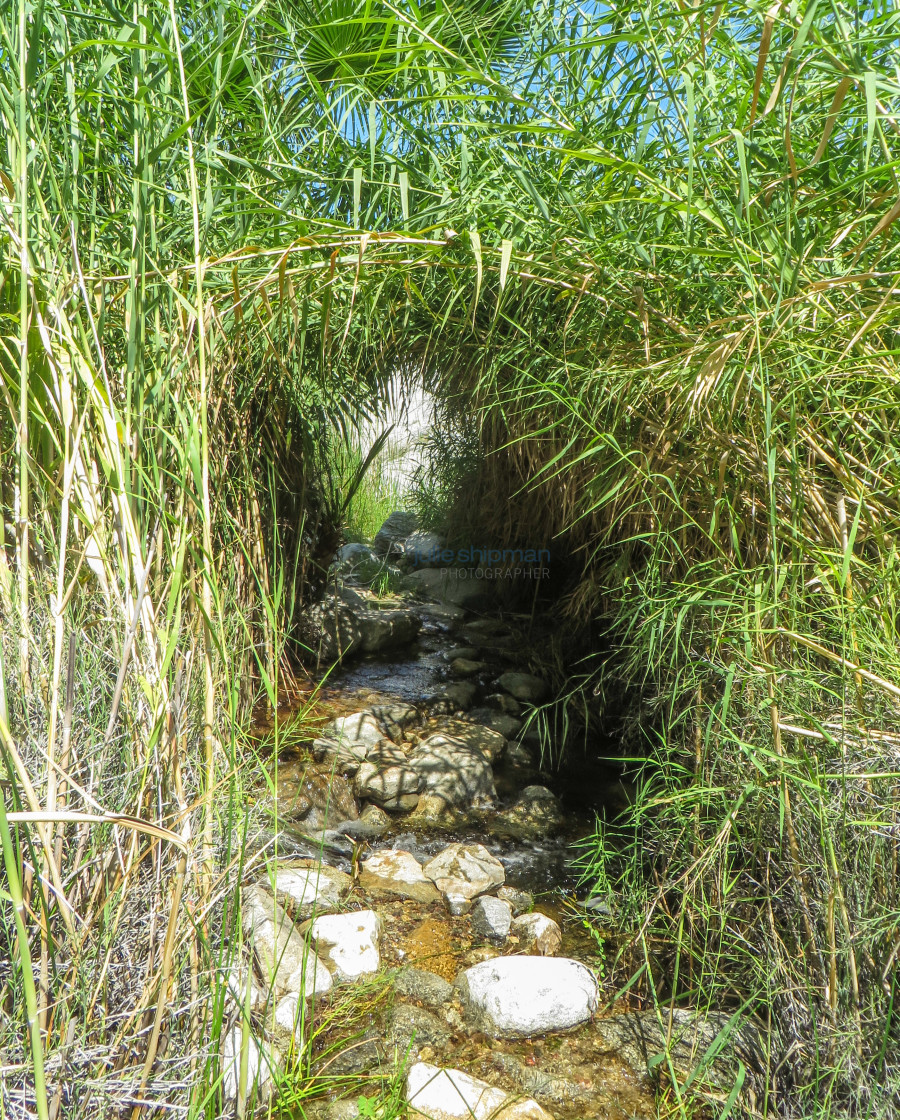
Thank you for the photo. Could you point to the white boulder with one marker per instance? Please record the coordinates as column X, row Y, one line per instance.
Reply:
column 286, row 962
column 464, row 871
column 394, row 871
column 511, row 997
column 449, row 1094
column 348, row 942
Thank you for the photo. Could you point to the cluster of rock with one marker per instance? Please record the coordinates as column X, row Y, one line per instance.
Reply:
column 384, row 759
column 350, row 619
column 304, row 940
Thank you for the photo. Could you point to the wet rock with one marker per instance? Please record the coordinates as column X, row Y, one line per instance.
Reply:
column 285, row 960
column 450, row 585
column 385, row 777
column 373, row 822
column 537, row 812
column 486, row 626
column 430, row 810
column 463, row 667
column 330, row 840
column 396, row 872
column 317, row 799
column 461, row 694
column 262, row 1060
column 402, row 803
column 309, row 888
column 517, row 754
column 507, row 726
column 422, row 549
column 467, row 653
column 491, row 918
column 454, row 770
column 505, row 703
column 524, row 687
column 362, row 1055
column 383, row 628
column 338, row 627
column 465, row 871
column 520, row 901
column 426, row 987
column 394, row 719
column 393, row 532
column 481, row 953
column 512, row 997
column 490, row 743
column 409, row 1028
column 345, row 741
column 348, row 942
column 545, row 1087
column 538, row 934
column 638, row 1037
column 449, row 1094
column 445, row 612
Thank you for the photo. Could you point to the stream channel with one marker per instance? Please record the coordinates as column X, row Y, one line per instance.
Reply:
column 447, row 682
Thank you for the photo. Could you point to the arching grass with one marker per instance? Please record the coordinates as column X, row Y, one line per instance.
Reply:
column 649, row 253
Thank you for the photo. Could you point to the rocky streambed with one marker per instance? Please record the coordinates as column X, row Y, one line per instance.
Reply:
column 422, row 862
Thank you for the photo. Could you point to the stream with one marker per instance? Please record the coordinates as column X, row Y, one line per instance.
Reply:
column 446, row 681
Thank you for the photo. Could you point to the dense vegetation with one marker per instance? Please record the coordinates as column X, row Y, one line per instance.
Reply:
column 652, row 250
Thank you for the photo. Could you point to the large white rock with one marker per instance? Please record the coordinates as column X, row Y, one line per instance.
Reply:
column 286, row 962
column 449, row 1094
column 349, row 942
column 491, row 743
column 465, row 871
column 394, row 871
column 511, row 997
column 315, row 888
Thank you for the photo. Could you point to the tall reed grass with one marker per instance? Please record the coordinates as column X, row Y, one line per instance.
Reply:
column 649, row 253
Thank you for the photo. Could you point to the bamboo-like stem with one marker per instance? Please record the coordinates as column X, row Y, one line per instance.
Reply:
column 206, row 594
column 14, row 887
column 22, row 513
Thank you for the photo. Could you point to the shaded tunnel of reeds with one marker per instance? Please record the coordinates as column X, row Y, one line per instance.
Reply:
column 646, row 259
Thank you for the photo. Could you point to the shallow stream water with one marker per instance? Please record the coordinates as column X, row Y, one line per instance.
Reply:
column 568, row 1073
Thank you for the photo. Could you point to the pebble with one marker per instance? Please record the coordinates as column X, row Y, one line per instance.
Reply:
column 520, row 901
column 491, row 918
column 463, row 667
column 538, row 934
